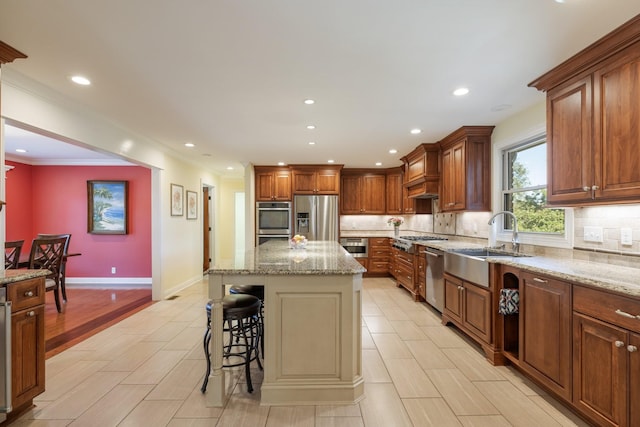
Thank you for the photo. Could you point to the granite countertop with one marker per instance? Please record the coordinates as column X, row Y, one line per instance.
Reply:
column 275, row 257
column 11, row 276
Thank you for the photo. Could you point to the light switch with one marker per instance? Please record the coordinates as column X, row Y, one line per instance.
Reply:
column 593, row 234
column 626, row 236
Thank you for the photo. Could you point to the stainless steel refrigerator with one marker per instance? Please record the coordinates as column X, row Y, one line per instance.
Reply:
column 316, row 217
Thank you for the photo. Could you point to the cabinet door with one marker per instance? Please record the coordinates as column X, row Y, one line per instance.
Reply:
column 27, row 359
column 264, row 186
column 545, row 316
column 282, row 185
column 617, row 112
column 453, row 178
column 600, row 367
column 350, row 200
column 394, row 194
column 476, row 308
column 453, row 298
column 373, row 197
column 304, row 181
column 569, row 143
column 408, row 204
column 634, row 379
column 328, row 181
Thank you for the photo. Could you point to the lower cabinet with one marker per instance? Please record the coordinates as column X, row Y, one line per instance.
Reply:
column 405, row 274
column 27, row 340
column 545, row 342
column 606, row 363
column 378, row 256
column 468, row 306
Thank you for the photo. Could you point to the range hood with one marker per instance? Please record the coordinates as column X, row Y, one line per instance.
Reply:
column 425, row 189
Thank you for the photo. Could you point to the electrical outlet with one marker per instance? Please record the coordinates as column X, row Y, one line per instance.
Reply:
column 626, row 236
column 593, row 234
column 113, row 270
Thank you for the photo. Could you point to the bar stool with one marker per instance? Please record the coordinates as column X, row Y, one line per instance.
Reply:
column 258, row 292
column 240, row 315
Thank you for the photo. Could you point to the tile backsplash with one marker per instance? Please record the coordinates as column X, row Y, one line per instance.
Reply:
column 612, row 219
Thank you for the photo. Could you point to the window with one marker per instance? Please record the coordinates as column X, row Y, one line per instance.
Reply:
column 525, row 190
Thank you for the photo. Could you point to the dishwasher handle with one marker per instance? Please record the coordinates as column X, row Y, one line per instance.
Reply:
column 432, row 253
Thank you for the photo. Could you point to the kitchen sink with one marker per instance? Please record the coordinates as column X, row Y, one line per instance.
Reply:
column 472, row 265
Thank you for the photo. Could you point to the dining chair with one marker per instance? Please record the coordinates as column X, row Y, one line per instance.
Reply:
column 63, row 267
column 12, row 254
column 47, row 253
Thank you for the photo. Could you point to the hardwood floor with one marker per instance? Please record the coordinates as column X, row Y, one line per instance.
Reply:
column 87, row 312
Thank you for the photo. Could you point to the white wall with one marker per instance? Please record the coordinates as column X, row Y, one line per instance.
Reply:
column 176, row 242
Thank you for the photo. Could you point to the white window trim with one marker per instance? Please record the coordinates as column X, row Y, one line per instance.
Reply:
column 539, row 239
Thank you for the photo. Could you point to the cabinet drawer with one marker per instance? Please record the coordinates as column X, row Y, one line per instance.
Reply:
column 616, row 309
column 379, row 241
column 378, row 252
column 378, row 266
column 26, row 293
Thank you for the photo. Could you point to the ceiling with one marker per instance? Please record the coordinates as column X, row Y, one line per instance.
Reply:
column 231, row 76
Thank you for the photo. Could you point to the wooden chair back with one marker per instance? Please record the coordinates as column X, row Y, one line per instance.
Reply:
column 12, row 252
column 47, row 253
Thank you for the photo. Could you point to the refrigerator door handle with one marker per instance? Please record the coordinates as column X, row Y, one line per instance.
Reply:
column 5, row 363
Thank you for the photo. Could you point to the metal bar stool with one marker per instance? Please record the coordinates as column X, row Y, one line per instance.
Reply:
column 258, row 292
column 240, row 314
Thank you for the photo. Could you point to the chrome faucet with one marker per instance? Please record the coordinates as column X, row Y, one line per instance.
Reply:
column 515, row 242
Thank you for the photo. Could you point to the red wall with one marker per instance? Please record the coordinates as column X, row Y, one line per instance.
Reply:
column 54, row 199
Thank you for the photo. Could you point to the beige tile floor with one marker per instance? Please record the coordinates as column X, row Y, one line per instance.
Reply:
column 147, row 371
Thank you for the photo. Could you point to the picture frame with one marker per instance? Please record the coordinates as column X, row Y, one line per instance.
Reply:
column 177, row 200
column 107, row 207
column 192, row 205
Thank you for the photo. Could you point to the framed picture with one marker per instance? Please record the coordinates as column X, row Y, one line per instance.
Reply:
column 108, row 206
column 177, row 199
column 192, row 205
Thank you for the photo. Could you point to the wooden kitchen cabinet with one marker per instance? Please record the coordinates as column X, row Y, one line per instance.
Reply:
column 545, row 341
column 308, row 179
column 422, row 171
column 272, row 183
column 405, row 274
column 466, row 170
column 421, row 272
column 606, row 361
column 362, row 192
column 27, row 340
column 468, row 306
column 593, row 142
column 379, row 253
column 394, row 191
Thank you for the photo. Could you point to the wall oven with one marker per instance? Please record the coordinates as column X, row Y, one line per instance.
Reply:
column 273, row 221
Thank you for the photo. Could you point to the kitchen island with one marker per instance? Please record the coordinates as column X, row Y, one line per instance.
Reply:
column 312, row 338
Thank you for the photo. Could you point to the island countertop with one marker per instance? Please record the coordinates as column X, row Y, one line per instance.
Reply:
column 276, row 257
column 11, row 276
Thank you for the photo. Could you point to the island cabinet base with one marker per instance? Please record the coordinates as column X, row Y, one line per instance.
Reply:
column 313, row 338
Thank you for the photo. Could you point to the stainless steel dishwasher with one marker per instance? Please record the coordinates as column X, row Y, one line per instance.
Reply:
column 435, row 278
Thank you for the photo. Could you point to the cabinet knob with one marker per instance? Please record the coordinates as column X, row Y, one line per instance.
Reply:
column 632, row 348
column 594, row 187
column 585, row 188
column 31, row 313
column 619, row 344
column 28, row 294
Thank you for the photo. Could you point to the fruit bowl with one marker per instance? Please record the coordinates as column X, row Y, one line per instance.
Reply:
column 298, row 242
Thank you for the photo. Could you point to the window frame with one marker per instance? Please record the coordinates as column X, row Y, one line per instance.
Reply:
column 560, row 240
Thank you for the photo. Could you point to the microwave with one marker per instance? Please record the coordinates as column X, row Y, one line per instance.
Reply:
column 273, row 218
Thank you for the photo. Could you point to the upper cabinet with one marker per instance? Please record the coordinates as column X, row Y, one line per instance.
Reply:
column 421, row 171
column 466, row 170
column 272, row 183
column 593, row 141
column 394, row 191
column 362, row 192
column 310, row 179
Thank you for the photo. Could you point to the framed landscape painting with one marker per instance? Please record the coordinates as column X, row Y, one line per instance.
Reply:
column 192, row 205
column 177, row 200
column 107, row 210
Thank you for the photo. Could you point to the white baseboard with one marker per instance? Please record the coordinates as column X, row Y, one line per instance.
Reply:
column 108, row 282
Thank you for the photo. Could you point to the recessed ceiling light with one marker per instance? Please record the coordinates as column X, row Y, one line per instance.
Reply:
column 560, row 1
column 311, row 127
column 281, row 163
column 330, row 161
column 309, row 101
column 415, row 131
column 461, row 91
column 393, row 151
column 20, row 150
column 189, row 145
column 229, row 168
column 378, row 163
column 312, row 143
column 83, row 81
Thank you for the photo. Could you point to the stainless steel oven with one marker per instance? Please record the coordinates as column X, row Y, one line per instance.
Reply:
column 356, row 246
column 273, row 219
